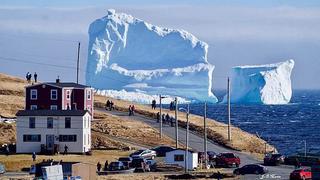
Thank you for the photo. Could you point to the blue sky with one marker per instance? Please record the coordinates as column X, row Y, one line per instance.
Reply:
column 238, row 33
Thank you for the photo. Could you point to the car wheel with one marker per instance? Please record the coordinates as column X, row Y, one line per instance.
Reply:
column 256, row 172
column 152, row 157
column 237, row 165
column 237, row 172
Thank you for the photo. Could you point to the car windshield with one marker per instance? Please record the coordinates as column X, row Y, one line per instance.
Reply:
column 228, row 155
column 115, row 164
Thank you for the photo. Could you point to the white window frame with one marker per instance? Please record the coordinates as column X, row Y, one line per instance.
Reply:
column 36, row 94
column 33, row 107
column 88, row 94
column 89, row 108
column 54, row 90
column 52, row 107
column 68, row 94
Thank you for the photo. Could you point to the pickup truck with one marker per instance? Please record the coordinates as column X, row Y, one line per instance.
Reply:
column 227, row 160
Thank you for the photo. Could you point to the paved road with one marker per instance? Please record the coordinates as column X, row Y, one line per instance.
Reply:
column 196, row 142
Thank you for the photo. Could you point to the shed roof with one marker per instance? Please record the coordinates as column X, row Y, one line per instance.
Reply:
column 190, row 150
column 52, row 112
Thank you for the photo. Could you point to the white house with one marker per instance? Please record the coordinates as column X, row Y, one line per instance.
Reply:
column 177, row 157
column 52, row 130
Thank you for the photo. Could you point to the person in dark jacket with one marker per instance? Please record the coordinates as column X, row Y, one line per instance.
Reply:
column 158, row 117
column 98, row 167
column 35, row 76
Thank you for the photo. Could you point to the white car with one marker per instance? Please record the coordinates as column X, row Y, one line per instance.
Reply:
column 145, row 153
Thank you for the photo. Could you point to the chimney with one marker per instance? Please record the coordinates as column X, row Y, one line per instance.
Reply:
column 58, row 80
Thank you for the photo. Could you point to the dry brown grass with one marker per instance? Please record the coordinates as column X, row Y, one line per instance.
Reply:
column 217, row 132
column 7, row 133
column 11, row 95
column 17, row 162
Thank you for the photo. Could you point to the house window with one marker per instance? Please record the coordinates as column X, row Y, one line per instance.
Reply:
column 89, row 108
column 54, row 94
column 54, row 107
column 33, row 107
column 33, row 94
column 89, row 94
column 32, row 138
column 68, row 94
column 68, row 138
column 32, row 122
column 49, row 122
column 178, row 157
column 67, row 122
column 68, row 106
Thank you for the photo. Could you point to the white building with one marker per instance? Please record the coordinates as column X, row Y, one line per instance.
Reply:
column 177, row 157
column 52, row 130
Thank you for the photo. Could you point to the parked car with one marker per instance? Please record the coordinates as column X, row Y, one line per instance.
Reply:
column 140, row 164
column 251, row 169
column 115, row 166
column 162, row 150
column 146, row 153
column 301, row 174
column 227, row 160
column 210, row 155
column 2, row 169
column 126, row 161
column 273, row 159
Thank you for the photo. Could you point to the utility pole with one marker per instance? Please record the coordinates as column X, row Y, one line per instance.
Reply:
column 78, row 62
column 177, row 123
column 160, row 97
column 187, row 142
column 229, row 111
column 205, row 135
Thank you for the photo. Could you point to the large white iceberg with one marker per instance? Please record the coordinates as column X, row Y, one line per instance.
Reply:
column 263, row 84
column 128, row 53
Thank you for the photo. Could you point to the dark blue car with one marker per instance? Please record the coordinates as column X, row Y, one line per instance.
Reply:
column 251, row 169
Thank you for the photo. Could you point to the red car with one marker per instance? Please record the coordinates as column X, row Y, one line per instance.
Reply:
column 301, row 174
column 227, row 160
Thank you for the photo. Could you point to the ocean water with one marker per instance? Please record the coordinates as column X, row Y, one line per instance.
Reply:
column 284, row 126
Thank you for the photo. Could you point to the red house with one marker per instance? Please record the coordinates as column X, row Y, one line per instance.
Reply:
column 59, row 96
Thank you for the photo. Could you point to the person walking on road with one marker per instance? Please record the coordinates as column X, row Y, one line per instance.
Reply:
column 158, row 117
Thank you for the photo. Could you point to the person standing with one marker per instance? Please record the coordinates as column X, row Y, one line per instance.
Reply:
column 158, row 117
column 98, row 167
column 27, row 77
column 130, row 110
column 34, row 156
column 133, row 109
column 106, row 164
column 65, row 150
column 35, row 76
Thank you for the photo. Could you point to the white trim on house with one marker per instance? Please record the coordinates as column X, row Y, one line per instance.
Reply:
column 53, row 107
column 51, row 93
column 36, row 94
column 33, row 107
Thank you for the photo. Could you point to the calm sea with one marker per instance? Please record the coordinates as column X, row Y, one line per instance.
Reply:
column 284, row 126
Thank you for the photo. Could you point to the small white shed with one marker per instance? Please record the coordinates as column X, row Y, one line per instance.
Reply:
column 177, row 157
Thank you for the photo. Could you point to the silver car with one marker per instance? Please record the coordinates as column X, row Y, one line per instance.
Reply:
column 146, row 153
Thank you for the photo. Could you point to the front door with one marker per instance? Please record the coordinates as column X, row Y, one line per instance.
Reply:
column 50, row 142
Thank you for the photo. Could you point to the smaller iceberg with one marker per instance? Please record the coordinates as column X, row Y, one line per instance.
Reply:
column 262, row 84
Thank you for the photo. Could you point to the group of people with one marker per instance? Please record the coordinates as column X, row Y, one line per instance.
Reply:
column 153, row 104
column 106, row 166
column 109, row 105
column 29, row 76
column 131, row 110
column 166, row 118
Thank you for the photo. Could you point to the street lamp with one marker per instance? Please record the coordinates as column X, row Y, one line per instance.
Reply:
column 187, row 138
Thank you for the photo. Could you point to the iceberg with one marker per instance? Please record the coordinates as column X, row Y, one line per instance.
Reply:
column 262, row 84
column 126, row 53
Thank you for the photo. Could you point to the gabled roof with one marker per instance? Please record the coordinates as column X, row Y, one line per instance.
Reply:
column 52, row 112
column 62, row 85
